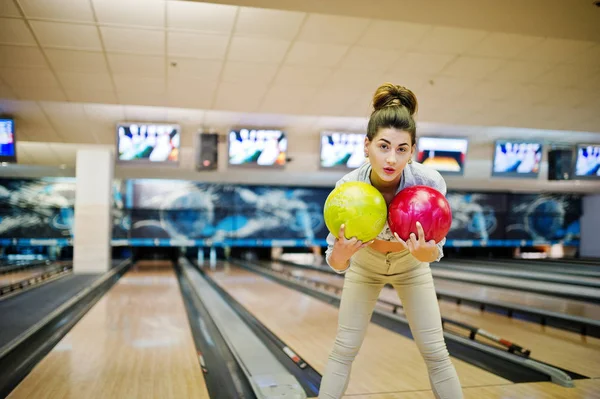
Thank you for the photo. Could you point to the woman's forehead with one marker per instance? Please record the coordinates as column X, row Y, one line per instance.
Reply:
column 394, row 136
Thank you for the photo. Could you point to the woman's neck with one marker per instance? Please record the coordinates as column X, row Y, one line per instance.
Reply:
column 382, row 186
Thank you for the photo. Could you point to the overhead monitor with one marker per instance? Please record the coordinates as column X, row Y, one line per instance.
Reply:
column 257, row 147
column 148, row 143
column 340, row 150
column 587, row 161
column 516, row 158
column 8, row 147
column 445, row 154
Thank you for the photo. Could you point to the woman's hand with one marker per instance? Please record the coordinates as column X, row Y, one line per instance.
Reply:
column 424, row 251
column 344, row 248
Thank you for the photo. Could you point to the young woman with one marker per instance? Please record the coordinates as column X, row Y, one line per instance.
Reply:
column 389, row 146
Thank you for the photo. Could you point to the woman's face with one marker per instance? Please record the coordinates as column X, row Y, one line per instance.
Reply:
column 389, row 152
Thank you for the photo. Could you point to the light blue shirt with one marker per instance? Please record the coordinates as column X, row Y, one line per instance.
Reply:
column 414, row 174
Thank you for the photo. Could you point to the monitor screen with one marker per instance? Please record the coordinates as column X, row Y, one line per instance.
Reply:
column 148, row 143
column 342, row 150
column 444, row 154
column 587, row 162
column 257, row 147
column 8, row 150
column 517, row 158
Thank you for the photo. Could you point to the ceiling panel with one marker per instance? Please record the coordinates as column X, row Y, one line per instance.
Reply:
column 257, row 49
column 359, row 80
column 63, row 10
column 141, row 84
column 268, row 23
column 467, row 67
column 193, row 45
column 40, row 93
column 85, row 81
column 492, row 90
column 331, row 29
column 140, row 65
column 6, row 92
column 393, row 35
column 312, row 54
column 9, row 9
column 246, row 71
column 131, row 12
column 133, row 41
column 15, row 31
column 77, row 61
column 70, row 36
column 332, row 102
column 371, row 60
column 520, row 71
column 104, row 114
column 287, row 99
column 21, row 56
column 28, row 77
column 503, row 45
column 554, row 50
column 237, row 97
column 201, row 16
column 422, row 63
column 206, row 69
column 567, row 75
column 150, row 96
column 261, row 65
column 450, row 40
column 88, row 96
column 290, row 75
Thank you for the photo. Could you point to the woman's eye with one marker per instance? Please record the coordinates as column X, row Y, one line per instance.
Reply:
column 383, row 147
column 402, row 149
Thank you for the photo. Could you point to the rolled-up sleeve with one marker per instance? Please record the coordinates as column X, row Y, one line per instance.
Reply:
column 330, row 243
column 331, row 240
column 440, row 185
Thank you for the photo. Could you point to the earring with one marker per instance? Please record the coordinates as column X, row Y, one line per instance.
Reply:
column 366, row 154
column 409, row 160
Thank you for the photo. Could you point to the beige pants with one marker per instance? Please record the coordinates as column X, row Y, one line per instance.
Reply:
column 369, row 271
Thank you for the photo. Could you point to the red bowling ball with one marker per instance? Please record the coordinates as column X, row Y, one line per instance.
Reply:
column 420, row 204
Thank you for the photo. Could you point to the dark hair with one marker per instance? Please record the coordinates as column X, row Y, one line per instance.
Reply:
column 393, row 107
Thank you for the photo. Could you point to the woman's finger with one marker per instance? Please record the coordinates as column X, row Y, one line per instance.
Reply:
column 342, row 232
column 401, row 241
column 421, row 233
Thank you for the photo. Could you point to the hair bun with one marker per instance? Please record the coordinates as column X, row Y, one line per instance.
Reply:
column 389, row 94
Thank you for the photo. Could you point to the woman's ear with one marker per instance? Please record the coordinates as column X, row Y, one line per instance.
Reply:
column 367, row 142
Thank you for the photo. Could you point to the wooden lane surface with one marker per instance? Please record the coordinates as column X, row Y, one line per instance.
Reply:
column 530, row 299
column 584, row 389
column 588, row 293
column 561, row 348
column 11, row 278
column 135, row 342
column 387, row 362
column 518, row 272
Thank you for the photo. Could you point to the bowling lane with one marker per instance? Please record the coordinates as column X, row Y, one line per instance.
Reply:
column 561, row 348
column 555, row 266
column 521, row 272
column 134, row 343
column 23, row 274
column 388, row 362
column 529, row 299
column 588, row 294
column 14, row 277
column 584, row 389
